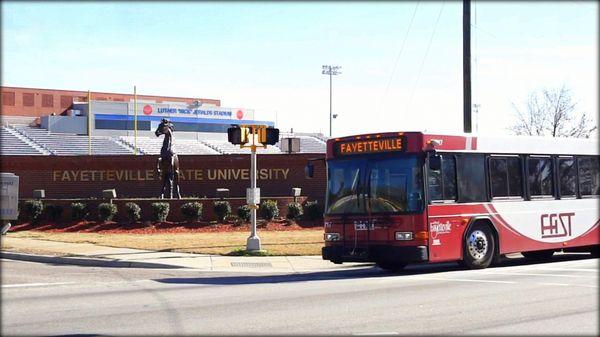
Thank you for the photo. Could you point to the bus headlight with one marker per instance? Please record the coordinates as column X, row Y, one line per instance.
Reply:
column 404, row 236
column 332, row 237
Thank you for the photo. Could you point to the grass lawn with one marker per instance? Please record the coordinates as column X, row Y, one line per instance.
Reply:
column 300, row 242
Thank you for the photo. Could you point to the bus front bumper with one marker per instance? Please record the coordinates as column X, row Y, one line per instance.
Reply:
column 375, row 253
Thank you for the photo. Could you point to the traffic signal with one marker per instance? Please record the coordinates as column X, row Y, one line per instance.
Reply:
column 269, row 136
column 241, row 135
column 237, row 135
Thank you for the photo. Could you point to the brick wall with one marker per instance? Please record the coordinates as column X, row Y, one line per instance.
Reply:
column 135, row 176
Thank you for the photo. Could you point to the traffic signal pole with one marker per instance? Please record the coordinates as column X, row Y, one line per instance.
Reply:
column 252, row 136
column 253, row 242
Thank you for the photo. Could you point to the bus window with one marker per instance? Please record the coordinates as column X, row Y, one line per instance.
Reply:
column 567, row 177
column 470, row 171
column 589, row 177
column 540, row 177
column 505, row 177
column 395, row 185
column 344, row 187
column 442, row 183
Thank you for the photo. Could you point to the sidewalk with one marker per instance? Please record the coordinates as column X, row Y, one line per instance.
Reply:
column 102, row 256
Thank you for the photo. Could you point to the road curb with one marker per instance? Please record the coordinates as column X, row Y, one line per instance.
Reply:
column 84, row 261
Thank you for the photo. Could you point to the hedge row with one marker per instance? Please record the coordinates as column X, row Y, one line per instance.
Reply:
column 192, row 211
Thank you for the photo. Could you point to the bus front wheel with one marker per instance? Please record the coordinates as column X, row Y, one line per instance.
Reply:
column 479, row 247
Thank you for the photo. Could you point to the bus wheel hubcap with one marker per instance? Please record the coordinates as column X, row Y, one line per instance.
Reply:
column 477, row 245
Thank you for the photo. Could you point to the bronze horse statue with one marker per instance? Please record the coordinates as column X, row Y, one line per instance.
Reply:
column 168, row 163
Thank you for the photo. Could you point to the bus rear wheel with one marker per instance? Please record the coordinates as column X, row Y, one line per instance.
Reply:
column 479, row 247
column 538, row 254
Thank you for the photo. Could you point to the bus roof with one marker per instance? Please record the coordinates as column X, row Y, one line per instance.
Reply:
column 489, row 144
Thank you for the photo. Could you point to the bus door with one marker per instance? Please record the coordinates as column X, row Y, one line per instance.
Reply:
column 361, row 226
column 346, row 201
column 366, row 229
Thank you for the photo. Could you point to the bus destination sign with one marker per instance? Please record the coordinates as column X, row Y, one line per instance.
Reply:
column 364, row 146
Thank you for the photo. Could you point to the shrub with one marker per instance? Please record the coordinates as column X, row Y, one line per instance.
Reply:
column 106, row 211
column 133, row 211
column 243, row 212
column 313, row 210
column 268, row 210
column 222, row 209
column 53, row 212
column 79, row 211
column 33, row 209
column 294, row 210
column 192, row 211
column 160, row 211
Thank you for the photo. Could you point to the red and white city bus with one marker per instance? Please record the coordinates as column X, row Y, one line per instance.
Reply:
column 399, row 198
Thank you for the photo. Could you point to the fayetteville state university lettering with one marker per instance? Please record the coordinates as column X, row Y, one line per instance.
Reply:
column 147, row 175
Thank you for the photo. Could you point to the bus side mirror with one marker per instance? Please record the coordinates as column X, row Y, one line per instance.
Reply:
column 309, row 170
column 435, row 162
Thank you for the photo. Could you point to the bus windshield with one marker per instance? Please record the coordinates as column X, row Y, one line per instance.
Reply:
column 374, row 185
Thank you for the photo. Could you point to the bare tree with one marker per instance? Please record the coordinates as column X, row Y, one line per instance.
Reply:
column 552, row 113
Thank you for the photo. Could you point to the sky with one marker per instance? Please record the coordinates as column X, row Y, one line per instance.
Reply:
column 401, row 62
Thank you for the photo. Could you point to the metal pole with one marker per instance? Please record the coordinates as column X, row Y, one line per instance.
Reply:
column 253, row 242
column 253, row 186
column 135, row 126
column 467, row 66
column 89, row 120
column 330, row 102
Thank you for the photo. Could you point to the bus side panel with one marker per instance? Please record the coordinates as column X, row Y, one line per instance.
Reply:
column 545, row 224
column 447, row 225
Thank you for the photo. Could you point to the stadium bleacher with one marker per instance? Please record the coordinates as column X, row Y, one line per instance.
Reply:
column 72, row 144
column 147, row 145
column 228, row 148
column 13, row 144
column 20, row 139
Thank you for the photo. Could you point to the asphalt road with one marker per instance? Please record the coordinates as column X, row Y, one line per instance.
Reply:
column 516, row 298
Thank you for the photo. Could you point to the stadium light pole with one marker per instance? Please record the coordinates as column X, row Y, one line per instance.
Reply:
column 331, row 70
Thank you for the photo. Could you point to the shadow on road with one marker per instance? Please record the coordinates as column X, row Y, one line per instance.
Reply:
column 367, row 271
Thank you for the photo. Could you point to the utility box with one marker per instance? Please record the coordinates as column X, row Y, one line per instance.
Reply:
column 9, row 196
column 290, row 145
column 253, row 196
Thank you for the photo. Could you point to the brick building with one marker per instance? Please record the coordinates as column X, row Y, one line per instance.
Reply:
column 36, row 102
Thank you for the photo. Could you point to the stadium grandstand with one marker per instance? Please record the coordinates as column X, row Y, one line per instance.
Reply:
column 32, row 124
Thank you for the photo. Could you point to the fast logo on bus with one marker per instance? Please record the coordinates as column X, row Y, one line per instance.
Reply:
column 364, row 146
column 550, row 225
